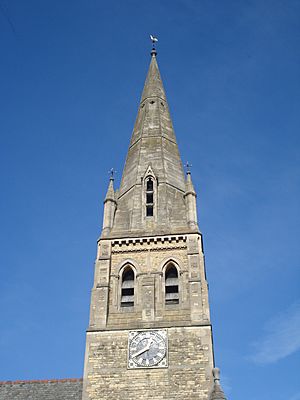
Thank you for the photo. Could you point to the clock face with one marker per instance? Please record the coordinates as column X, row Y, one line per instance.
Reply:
column 147, row 349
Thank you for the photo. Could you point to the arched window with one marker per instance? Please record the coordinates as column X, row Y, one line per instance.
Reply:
column 127, row 288
column 171, row 285
column 149, row 197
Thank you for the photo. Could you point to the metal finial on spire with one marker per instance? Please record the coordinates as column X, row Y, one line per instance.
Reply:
column 153, row 40
column 112, row 173
column 188, row 167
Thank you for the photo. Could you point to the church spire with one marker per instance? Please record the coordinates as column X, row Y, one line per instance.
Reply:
column 153, row 154
column 149, row 303
column 153, row 85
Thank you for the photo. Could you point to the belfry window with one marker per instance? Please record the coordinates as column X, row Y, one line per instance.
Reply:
column 127, row 288
column 171, row 285
column 149, row 197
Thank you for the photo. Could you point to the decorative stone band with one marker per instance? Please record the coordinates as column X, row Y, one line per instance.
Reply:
column 151, row 239
column 151, row 249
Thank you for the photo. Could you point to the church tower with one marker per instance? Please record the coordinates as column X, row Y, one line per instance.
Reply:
column 149, row 335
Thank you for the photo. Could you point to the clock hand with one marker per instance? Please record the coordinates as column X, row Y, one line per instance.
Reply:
column 146, row 348
column 149, row 344
column 140, row 352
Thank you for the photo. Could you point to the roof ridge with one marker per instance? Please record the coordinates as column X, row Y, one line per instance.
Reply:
column 41, row 381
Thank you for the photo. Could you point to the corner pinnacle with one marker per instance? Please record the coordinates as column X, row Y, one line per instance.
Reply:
column 217, row 391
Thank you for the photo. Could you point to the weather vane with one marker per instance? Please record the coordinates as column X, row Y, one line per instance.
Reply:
column 153, row 40
column 112, row 173
column 188, row 167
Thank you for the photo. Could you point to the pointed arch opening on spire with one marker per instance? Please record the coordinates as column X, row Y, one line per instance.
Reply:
column 149, row 196
column 149, row 188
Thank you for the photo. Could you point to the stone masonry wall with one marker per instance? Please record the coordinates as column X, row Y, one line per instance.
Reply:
column 149, row 257
column 188, row 375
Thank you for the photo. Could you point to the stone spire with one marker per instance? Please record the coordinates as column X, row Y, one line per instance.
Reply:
column 153, row 137
column 153, row 151
column 153, row 85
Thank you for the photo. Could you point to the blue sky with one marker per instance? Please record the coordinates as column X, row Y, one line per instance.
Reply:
column 71, row 78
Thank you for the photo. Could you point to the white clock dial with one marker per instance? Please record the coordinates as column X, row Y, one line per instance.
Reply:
column 147, row 349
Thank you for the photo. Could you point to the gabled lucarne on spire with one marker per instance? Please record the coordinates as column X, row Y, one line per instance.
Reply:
column 153, row 143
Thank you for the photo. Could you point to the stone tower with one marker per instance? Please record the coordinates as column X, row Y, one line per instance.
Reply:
column 150, row 335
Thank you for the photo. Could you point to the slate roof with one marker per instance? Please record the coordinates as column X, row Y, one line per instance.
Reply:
column 54, row 389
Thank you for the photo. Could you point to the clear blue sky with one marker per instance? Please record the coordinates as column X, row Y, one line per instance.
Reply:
column 71, row 77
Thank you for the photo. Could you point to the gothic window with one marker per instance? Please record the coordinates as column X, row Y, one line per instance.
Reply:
column 149, row 197
column 127, row 288
column 171, row 285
